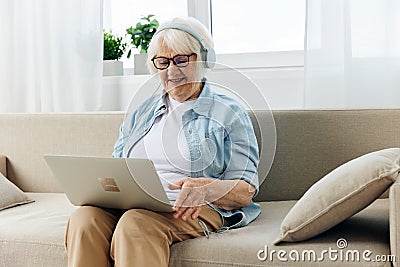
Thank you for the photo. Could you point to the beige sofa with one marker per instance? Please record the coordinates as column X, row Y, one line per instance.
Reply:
column 309, row 145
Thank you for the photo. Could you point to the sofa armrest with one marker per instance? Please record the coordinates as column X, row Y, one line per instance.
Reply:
column 3, row 165
column 394, row 220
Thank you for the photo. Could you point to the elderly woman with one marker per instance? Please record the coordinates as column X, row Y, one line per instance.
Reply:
column 203, row 148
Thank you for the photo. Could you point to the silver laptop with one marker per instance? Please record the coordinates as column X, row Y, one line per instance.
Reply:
column 120, row 183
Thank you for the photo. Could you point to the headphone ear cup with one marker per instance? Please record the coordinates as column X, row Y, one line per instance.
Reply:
column 207, row 54
column 208, row 57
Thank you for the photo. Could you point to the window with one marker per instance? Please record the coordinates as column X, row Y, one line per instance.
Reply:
column 121, row 14
column 247, row 33
column 248, row 26
column 258, row 33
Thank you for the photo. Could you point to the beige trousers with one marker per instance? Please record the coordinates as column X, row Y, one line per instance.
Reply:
column 101, row 238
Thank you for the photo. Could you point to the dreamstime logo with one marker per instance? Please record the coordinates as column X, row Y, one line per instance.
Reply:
column 341, row 254
column 341, row 243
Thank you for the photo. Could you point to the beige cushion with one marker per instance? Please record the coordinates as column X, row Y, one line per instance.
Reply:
column 11, row 195
column 36, row 238
column 48, row 216
column 340, row 194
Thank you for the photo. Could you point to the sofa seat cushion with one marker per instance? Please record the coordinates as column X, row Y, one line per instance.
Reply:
column 367, row 230
column 33, row 234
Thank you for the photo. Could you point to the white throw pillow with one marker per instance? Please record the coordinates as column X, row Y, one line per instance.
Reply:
column 10, row 194
column 340, row 194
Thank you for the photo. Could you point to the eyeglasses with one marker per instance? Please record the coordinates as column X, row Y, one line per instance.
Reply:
column 180, row 61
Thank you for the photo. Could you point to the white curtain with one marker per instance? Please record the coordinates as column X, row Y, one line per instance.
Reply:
column 50, row 55
column 352, row 54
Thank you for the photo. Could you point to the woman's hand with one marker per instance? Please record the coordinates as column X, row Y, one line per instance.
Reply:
column 226, row 194
column 192, row 196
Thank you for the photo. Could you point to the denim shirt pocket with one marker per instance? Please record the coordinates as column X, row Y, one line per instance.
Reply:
column 213, row 147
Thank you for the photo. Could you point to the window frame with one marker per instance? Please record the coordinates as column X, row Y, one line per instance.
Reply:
column 202, row 10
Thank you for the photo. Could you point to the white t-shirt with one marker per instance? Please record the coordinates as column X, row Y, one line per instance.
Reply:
column 165, row 144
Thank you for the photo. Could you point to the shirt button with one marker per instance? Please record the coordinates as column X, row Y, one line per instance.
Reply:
column 190, row 131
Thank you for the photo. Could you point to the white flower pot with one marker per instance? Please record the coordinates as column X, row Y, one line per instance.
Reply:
column 113, row 68
column 140, row 65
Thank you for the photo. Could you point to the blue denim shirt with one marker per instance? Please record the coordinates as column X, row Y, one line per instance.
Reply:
column 221, row 142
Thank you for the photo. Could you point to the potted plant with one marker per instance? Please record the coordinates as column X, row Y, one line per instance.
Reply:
column 114, row 48
column 140, row 36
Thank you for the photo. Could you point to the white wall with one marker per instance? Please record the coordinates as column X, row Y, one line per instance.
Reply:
column 283, row 88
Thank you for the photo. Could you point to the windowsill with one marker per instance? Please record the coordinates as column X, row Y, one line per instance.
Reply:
column 249, row 62
column 264, row 60
column 247, row 71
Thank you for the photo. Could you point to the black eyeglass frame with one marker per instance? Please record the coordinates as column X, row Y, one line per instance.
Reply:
column 173, row 61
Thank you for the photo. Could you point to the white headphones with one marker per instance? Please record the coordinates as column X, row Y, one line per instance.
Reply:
column 207, row 53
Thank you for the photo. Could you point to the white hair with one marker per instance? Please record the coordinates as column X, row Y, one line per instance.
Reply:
column 180, row 42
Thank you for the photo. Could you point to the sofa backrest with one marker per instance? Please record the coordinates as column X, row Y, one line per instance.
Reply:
column 25, row 138
column 310, row 143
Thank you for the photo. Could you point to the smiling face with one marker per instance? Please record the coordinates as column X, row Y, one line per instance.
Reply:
column 180, row 83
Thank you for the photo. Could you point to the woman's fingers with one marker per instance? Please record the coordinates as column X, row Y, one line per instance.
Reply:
column 186, row 213
column 177, row 184
column 188, row 204
column 178, row 212
column 191, row 197
column 196, row 213
column 182, row 198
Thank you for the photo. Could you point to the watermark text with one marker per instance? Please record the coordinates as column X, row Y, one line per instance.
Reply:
column 338, row 253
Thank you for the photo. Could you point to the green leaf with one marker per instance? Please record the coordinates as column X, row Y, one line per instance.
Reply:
column 113, row 46
column 142, row 33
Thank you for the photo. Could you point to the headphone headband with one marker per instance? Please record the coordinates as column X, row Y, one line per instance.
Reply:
column 207, row 53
